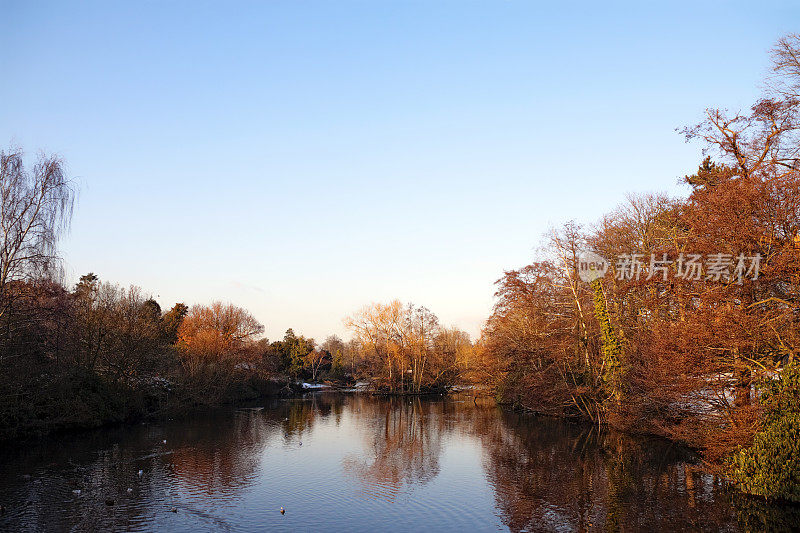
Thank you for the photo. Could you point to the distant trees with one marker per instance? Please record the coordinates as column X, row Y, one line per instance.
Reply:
column 337, row 352
column 451, row 356
column 296, row 349
column 314, row 360
column 214, row 339
column 376, row 328
column 407, row 348
column 81, row 357
column 118, row 332
column 288, row 356
column 171, row 321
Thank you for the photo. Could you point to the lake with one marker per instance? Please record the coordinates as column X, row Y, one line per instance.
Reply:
column 353, row 462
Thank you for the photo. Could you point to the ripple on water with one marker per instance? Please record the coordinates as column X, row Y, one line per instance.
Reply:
column 365, row 464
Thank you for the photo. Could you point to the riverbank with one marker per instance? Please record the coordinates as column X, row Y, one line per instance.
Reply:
column 75, row 400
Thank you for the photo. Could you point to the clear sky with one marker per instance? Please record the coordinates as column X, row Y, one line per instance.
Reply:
column 302, row 158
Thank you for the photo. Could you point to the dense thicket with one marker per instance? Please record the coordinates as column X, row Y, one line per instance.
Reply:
column 100, row 353
column 700, row 303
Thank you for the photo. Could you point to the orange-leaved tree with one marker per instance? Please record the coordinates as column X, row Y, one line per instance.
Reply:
column 214, row 342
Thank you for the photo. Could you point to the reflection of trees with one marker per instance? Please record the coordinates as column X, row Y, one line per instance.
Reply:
column 549, row 475
column 404, row 441
column 225, row 453
column 215, row 453
column 754, row 514
column 546, row 474
column 218, row 455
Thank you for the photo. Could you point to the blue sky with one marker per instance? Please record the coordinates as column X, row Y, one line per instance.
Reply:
column 303, row 158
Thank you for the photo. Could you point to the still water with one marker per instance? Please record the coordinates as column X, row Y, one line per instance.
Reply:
column 358, row 463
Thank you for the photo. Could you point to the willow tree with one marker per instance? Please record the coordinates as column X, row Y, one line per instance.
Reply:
column 35, row 211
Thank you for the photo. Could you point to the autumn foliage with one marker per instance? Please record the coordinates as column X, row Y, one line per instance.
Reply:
column 406, row 349
column 678, row 348
column 217, row 335
column 692, row 334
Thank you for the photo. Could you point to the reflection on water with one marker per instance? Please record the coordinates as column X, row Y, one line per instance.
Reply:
column 357, row 463
column 403, row 441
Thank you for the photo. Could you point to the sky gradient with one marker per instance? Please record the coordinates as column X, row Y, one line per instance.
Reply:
column 302, row 159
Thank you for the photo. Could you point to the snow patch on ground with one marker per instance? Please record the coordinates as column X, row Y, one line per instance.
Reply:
column 315, row 386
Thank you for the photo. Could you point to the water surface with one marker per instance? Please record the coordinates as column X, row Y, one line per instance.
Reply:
column 358, row 463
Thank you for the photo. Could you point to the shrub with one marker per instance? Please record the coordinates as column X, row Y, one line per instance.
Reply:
column 771, row 466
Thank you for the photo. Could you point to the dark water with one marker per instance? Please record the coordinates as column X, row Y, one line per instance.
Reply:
column 356, row 463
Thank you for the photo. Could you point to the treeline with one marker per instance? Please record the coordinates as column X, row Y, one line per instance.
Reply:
column 100, row 353
column 694, row 331
column 96, row 352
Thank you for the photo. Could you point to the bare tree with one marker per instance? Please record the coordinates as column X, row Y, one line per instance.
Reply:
column 35, row 210
column 765, row 140
column 314, row 360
